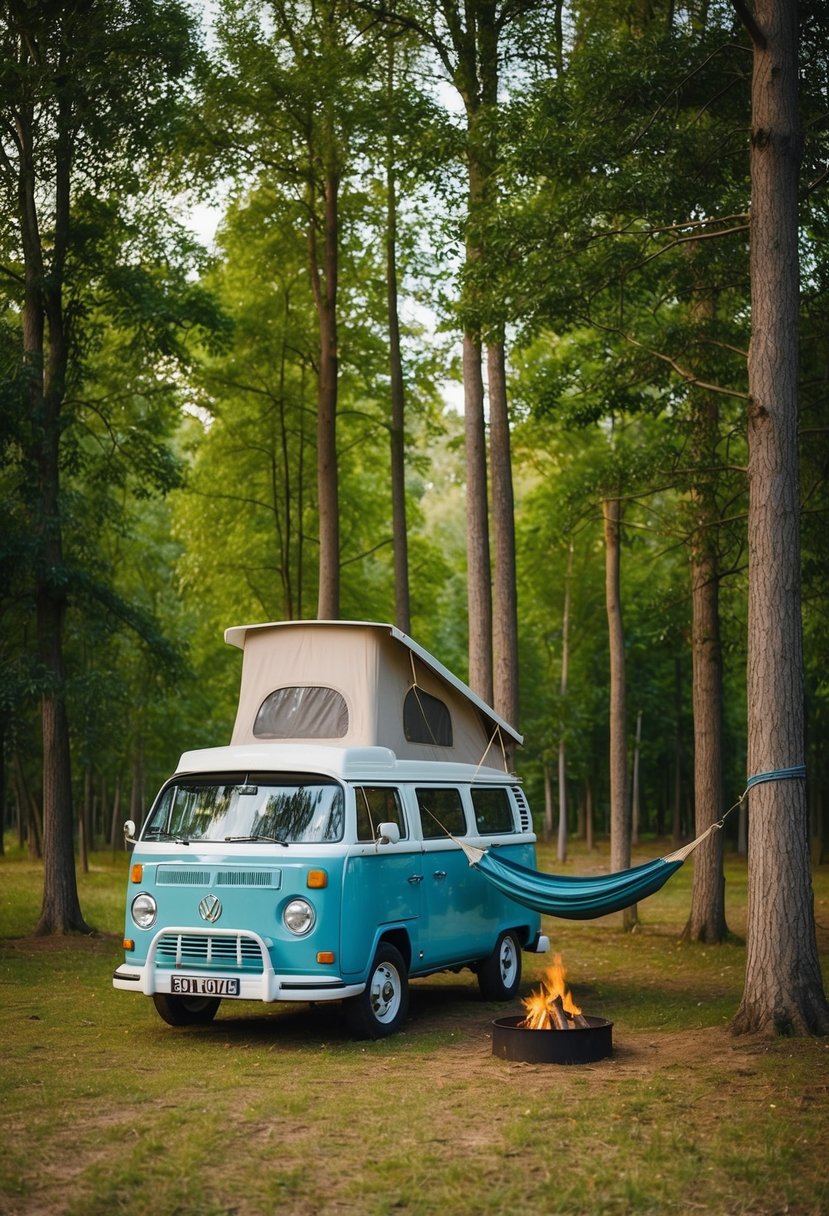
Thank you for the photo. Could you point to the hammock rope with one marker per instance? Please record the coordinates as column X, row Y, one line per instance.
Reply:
column 574, row 897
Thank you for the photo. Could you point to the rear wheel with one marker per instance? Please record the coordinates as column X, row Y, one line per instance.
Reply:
column 499, row 976
column 381, row 1008
column 186, row 1010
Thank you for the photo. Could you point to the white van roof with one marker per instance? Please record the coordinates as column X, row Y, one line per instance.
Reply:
column 356, row 684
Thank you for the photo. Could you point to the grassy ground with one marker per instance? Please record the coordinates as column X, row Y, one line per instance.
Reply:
column 105, row 1109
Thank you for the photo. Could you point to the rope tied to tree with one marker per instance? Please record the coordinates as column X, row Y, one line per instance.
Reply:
column 775, row 774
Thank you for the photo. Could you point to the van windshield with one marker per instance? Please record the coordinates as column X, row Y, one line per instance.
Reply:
column 286, row 811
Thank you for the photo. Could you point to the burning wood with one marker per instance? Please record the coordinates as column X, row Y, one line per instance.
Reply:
column 552, row 1007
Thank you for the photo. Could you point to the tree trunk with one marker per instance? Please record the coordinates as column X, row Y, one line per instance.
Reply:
column 397, row 429
column 84, row 820
column 45, row 354
column 634, row 793
column 325, row 294
column 706, row 922
column 783, row 990
column 479, row 580
column 562, row 746
column 115, row 818
column 60, row 910
column 619, row 816
column 505, row 605
column 676, row 801
column 548, row 803
column 588, row 814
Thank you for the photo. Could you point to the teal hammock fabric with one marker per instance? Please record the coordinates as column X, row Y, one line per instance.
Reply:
column 571, row 897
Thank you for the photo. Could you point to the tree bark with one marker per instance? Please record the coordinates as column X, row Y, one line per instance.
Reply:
column 548, row 803
column 635, row 809
column 619, row 812
column 562, row 745
column 397, row 428
column 783, row 990
column 325, row 294
column 706, row 921
column 676, row 801
column 505, row 599
column 45, row 354
column 479, row 578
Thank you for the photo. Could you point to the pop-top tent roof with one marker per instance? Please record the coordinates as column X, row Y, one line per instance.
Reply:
column 359, row 684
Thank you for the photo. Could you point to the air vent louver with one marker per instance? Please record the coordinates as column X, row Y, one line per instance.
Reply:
column 524, row 812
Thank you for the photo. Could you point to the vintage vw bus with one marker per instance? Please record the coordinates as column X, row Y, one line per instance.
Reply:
column 316, row 857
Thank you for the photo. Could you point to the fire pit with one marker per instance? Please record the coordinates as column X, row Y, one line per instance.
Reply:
column 511, row 1040
column 554, row 1029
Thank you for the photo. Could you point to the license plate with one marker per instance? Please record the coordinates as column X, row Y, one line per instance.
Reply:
column 198, row 985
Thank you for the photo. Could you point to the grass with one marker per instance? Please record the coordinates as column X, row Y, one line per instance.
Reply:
column 104, row 1109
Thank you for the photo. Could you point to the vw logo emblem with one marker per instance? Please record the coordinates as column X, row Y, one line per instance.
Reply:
column 210, row 908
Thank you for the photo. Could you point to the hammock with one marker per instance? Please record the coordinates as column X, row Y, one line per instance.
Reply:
column 585, row 898
column 571, row 897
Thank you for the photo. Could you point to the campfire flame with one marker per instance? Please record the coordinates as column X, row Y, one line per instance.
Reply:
column 548, row 1007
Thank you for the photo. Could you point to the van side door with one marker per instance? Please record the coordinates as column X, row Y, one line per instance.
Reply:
column 455, row 926
column 381, row 882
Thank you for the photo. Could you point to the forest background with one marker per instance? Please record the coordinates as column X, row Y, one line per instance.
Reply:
column 548, row 205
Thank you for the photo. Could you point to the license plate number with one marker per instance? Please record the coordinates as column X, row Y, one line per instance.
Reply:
column 198, row 985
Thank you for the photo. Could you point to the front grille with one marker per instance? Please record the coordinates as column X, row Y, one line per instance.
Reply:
column 232, row 953
column 249, row 878
column 182, row 877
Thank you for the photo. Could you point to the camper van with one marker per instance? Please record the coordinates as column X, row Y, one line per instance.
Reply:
column 319, row 856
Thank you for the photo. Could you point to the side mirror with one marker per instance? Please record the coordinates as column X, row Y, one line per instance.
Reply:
column 388, row 833
column 129, row 834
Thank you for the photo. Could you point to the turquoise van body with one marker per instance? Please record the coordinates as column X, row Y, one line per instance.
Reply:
column 278, row 871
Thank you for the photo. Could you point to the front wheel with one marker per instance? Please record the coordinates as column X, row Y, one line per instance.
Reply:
column 381, row 1007
column 186, row 1010
column 499, row 976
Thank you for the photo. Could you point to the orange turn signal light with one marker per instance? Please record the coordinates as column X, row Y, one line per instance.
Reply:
column 325, row 956
column 317, row 879
column 128, row 943
column 137, row 872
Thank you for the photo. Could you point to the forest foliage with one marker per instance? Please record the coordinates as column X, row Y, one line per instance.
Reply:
column 611, row 254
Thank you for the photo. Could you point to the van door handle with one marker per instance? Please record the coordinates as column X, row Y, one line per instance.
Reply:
column 440, row 873
column 415, row 879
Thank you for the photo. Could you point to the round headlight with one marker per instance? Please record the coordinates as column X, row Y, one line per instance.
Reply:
column 299, row 916
column 144, row 910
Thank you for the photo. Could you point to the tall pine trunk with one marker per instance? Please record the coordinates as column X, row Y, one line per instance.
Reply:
column 45, row 357
column 619, row 812
column 324, row 280
column 706, row 921
column 479, row 574
column 397, row 427
column 783, row 989
column 505, row 598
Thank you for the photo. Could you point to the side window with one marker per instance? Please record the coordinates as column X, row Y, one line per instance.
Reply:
column 302, row 712
column 441, row 811
column 377, row 804
column 493, row 812
column 426, row 719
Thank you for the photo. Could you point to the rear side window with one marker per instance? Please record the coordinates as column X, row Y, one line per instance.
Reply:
column 441, row 813
column 302, row 712
column 493, row 811
column 426, row 719
column 376, row 805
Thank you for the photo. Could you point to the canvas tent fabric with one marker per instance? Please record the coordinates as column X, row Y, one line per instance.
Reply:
column 359, row 684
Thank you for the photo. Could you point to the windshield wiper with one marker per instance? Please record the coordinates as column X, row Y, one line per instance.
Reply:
column 246, row 839
column 160, row 834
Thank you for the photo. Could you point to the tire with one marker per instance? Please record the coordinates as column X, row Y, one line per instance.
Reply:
column 381, row 1009
column 499, row 976
column 186, row 1010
